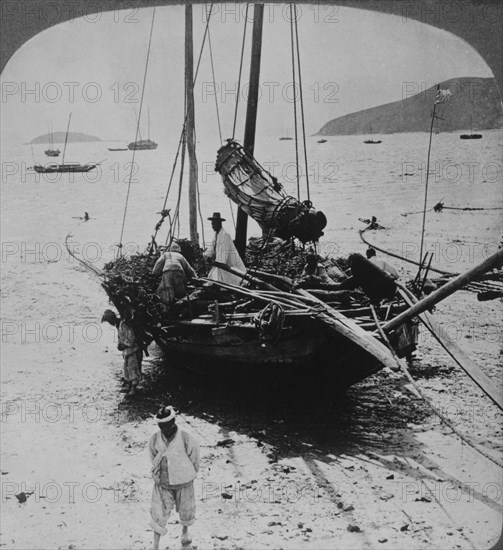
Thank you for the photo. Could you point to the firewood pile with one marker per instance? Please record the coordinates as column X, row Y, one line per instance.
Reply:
column 129, row 282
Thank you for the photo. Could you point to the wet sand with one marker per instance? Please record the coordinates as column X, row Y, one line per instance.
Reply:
column 372, row 468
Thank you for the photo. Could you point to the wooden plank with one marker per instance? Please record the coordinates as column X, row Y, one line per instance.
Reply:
column 470, row 367
column 350, row 330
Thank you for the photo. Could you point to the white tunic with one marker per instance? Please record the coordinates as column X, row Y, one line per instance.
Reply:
column 222, row 250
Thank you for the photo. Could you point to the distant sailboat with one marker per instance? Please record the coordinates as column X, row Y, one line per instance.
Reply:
column 143, row 144
column 51, row 152
column 322, row 141
column 470, row 135
column 69, row 167
column 371, row 140
column 284, row 138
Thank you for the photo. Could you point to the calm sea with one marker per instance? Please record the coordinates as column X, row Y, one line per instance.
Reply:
column 347, row 180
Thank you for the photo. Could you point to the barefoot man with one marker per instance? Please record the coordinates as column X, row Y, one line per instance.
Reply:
column 175, row 462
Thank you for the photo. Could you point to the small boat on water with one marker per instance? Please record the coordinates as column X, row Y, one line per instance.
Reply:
column 143, row 144
column 470, row 135
column 284, row 138
column 322, row 141
column 371, row 140
column 118, row 149
column 51, row 152
column 63, row 168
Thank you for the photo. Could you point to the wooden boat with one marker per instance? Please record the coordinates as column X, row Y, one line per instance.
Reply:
column 64, row 168
column 269, row 330
column 143, row 144
column 470, row 135
column 371, row 140
column 290, row 335
column 51, row 152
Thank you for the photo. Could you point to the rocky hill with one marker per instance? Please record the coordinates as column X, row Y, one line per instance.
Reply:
column 59, row 137
column 474, row 102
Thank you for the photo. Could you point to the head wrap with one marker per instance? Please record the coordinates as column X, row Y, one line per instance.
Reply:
column 165, row 414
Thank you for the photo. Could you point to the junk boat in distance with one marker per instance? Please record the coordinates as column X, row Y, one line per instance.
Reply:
column 51, row 152
column 372, row 140
column 470, row 135
column 62, row 168
column 143, row 144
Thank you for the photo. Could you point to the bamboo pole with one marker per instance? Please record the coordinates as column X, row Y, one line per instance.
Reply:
column 494, row 261
column 483, row 381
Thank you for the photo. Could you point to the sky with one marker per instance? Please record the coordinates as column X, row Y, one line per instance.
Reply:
column 351, row 59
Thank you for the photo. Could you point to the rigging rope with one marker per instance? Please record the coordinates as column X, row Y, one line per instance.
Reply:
column 401, row 257
column 137, row 132
column 427, row 179
column 440, row 415
column 86, row 264
column 240, row 71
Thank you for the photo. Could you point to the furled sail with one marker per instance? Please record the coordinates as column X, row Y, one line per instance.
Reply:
column 262, row 197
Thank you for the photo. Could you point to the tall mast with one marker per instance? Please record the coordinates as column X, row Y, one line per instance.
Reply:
column 251, row 115
column 66, row 138
column 190, row 123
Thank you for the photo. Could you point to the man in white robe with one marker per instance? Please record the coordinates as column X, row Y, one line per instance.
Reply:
column 222, row 250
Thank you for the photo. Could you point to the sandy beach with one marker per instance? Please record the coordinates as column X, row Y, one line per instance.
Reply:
column 371, row 468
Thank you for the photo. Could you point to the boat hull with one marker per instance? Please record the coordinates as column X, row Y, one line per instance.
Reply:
column 61, row 168
column 470, row 136
column 299, row 356
column 142, row 146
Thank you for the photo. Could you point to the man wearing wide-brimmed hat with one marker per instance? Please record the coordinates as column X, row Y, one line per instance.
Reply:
column 175, row 462
column 222, row 250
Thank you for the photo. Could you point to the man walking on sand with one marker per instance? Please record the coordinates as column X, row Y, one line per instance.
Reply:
column 175, row 462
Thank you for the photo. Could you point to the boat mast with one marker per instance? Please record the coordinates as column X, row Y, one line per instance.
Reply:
column 190, row 123
column 66, row 138
column 251, row 115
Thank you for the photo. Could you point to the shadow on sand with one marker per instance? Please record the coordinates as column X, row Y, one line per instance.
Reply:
column 372, row 414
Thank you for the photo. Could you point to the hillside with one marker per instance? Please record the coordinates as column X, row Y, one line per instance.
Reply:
column 478, row 97
column 59, row 137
